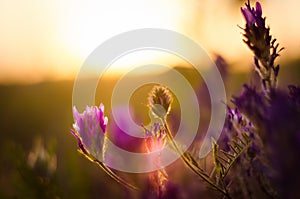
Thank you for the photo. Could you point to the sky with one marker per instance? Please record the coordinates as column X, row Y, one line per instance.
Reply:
column 49, row 40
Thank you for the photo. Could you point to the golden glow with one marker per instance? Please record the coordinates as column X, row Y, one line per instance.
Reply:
column 50, row 39
column 90, row 24
column 142, row 58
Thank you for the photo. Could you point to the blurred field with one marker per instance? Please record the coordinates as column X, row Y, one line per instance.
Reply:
column 45, row 110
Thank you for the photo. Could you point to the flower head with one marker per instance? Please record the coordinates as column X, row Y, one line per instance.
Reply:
column 252, row 15
column 259, row 40
column 153, row 143
column 155, row 139
column 160, row 100
column 89, row 129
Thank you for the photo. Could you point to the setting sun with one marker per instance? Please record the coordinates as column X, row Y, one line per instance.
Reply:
column 87, row 25
column 151, row 99
column 50, row 40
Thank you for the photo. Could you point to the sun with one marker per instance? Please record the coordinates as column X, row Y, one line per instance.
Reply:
column 86, row 25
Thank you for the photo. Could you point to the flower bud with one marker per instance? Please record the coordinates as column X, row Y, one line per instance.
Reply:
column 160, row 100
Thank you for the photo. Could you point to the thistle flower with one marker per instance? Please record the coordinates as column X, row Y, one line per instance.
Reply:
column 160, row 100
column 89, row 130
column 258, row 38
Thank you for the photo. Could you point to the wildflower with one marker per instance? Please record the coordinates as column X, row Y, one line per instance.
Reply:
column 153, row 143
column 89, row 130
column 160, row 100
column 41, row 160
column 252, row 15
column 281, row 132
column 156, row 138
column 258, row 38
column 252, row 104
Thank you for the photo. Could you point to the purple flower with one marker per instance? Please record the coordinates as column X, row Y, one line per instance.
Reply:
column 252, row 15
column 252, row 104
column 155, row 142
column 258, row 9
column 248, row 15
column 89, row 130
column 155, row 139
column 122, row 133
column 259, row 40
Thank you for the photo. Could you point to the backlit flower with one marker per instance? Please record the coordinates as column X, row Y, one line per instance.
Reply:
column 259, row 40
column 89, row 129
column 160, row 100
column 153, row 143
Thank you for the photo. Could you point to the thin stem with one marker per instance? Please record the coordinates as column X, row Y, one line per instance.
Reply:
column 108, row 171
column 192, row 166
column 114, row 176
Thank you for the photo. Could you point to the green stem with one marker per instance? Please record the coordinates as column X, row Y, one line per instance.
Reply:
column 114, row 176
column 108, row 171
column 186, row 160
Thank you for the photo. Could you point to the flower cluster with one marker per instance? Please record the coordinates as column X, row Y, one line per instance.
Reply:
column 257, row 153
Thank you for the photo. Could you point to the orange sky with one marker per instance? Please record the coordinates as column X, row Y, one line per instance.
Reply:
column 50, row 39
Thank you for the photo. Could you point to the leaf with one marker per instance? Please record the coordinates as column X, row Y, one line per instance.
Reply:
column 237, row 149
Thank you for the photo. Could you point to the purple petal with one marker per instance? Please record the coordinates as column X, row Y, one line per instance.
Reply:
column 248, row 15
column 258, row 9
column 102, row 120
column 76, row 114
column 101, row 107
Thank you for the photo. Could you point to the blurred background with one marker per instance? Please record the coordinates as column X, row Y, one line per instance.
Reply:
column 43, row 44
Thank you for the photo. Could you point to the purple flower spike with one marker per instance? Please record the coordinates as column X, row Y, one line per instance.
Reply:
column 259, row 40
column 89, row 130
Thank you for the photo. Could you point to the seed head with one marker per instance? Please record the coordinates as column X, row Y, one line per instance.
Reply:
column 160, row 100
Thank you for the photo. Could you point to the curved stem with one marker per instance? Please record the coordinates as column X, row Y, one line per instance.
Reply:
column 188, row 163
column 114, row 176
column 108, row 171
